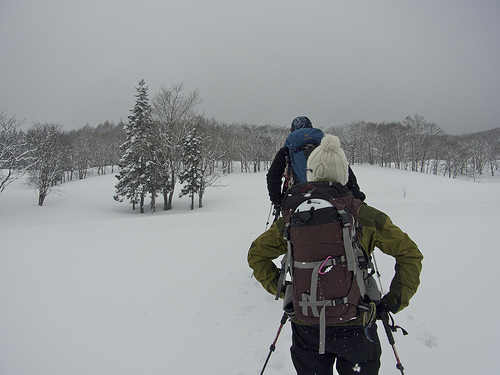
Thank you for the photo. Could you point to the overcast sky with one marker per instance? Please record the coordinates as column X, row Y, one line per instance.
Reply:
column 75, row 62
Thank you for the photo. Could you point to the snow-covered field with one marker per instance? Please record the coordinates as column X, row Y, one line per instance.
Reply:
column 87, row 286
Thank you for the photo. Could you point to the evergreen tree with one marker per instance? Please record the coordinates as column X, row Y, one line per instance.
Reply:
column 191, row 175
column 138, row 164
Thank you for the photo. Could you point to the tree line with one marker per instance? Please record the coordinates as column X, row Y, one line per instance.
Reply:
column 166, row 142
column 418, row 145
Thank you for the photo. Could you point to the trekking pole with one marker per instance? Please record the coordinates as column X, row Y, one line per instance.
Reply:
column 276, row 212
column 379, row 277
column 273, row 345
column 388, row 330
column 269, row 216
column 384, row 316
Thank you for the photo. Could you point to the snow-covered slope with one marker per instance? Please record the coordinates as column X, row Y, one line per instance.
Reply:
column 87, row 286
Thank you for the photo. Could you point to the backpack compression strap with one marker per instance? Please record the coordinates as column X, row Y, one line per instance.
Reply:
column 310, row 301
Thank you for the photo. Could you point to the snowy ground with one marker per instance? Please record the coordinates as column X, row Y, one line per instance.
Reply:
column 87, row 286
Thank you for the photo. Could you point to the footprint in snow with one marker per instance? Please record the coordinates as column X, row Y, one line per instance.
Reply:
column 246, row 309
column 427, row 338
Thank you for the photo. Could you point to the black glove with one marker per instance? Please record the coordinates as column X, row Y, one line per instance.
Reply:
column 389, row 304
column 359, row 195
column 288, row 300
column 382, row 310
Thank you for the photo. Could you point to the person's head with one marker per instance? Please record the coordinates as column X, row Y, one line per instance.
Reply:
column 300, row 123
column 328, row 161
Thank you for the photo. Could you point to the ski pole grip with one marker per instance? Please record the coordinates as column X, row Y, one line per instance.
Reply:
column 284, row 318
column 388, row 330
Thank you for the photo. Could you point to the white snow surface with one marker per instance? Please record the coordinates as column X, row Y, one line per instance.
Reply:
column 88, row 286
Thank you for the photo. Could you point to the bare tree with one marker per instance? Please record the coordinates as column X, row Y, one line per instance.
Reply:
column 173, row 111
column 107, row 140
column 371, row 146
column 386, row 142
column 422, row 136
column 492, row 149
column 251, row 141
column 476, row 160
column 229, row 150
column 211, row 151
column 47, row 152
column 351, row 138
column 13, row 151
column 82, row 149
column 277, row 137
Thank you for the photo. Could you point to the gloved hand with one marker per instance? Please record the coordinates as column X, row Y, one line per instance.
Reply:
column 391, row 304
column 288, row 299
column 359, row 195
column 385, row 307
column 382, row 310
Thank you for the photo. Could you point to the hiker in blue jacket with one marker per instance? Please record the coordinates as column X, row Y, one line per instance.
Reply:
column 278, row 169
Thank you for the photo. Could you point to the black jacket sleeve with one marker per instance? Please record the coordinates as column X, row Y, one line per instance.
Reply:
column 274, row 176
column 352, row 185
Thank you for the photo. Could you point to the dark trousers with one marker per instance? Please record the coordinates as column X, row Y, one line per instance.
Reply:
column 349, row 347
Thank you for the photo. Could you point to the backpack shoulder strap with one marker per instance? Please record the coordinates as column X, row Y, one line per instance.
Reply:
column 286, row 264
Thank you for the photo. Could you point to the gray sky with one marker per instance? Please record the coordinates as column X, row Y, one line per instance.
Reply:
column 257, row 61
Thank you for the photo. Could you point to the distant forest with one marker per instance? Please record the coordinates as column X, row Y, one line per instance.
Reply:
column 51, row 155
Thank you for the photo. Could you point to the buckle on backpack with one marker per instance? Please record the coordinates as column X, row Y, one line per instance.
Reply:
column 344, row 219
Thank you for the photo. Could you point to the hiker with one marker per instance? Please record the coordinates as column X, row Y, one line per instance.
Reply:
column 351, row 345
column 281, row 161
